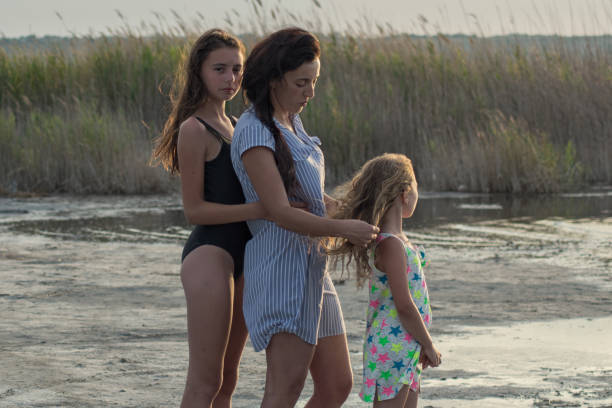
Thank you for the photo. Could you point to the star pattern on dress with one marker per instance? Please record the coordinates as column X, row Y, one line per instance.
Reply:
column 383, row 357
column 398, row 365
column 397, row 347
column 396, row 330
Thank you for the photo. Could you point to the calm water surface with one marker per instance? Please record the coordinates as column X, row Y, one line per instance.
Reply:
column 160, row 218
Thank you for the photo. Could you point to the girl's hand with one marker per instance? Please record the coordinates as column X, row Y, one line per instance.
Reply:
column 433, row 356
column 424, row 361
column 359, row 233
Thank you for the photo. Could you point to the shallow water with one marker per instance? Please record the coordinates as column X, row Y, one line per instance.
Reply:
column 160, row 218
column 471, row 226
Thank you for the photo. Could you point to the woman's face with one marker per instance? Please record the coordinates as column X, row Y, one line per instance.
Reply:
column 222, row 73
column 292, row 92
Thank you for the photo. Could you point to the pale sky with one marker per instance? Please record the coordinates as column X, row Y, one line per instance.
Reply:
column 488, row 17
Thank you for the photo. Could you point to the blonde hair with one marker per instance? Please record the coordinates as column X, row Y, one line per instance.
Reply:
column 368, row 197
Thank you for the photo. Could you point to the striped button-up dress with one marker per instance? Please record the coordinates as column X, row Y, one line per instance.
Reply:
column 286, row 287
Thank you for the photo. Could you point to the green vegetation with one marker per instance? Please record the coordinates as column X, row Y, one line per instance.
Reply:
column 505, row 114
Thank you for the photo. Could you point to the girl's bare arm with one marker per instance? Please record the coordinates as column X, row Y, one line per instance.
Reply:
column 192, row 150
column 391, row 259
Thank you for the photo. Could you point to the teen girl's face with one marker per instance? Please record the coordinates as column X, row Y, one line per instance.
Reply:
column 222, row 73
column 292, row 92
column 410, row 199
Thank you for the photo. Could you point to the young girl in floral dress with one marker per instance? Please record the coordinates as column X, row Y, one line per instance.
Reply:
column 397, row 341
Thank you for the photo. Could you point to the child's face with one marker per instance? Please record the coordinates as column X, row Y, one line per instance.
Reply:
column 410, row 198
column 222, row 73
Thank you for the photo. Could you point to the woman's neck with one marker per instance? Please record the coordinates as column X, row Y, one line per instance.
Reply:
column 282, row 116
column 284, row 119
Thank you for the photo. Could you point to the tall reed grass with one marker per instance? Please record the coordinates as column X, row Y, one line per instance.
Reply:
column 505, row 114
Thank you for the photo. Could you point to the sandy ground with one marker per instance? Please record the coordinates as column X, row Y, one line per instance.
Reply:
column 522, row 315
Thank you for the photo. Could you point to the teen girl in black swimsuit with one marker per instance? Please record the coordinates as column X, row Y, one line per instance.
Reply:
column 222, row 186
column 196, row 137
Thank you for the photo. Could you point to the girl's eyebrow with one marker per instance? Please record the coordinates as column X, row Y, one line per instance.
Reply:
column 222, row 64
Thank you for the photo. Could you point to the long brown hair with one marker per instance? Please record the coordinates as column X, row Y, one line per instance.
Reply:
column 368, row 197
column 188, row 93
column 280, row 52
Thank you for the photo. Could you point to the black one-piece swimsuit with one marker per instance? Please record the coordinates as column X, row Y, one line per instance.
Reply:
column 221, row 186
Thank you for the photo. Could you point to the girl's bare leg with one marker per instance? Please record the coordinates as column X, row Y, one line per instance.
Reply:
column 398, row 402
column 237, row 339
column 412, row 400
column 207, row 277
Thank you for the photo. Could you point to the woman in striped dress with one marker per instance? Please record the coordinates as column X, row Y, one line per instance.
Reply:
column 290, row 304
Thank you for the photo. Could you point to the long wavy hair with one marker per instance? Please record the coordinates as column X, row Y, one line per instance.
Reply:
column 368, row 197
column 189, row 93
column 278, row 53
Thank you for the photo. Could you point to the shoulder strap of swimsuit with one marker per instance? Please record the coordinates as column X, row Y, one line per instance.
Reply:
column 212, row 130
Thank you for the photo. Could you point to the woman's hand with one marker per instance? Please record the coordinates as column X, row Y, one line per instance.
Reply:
column 359, row 233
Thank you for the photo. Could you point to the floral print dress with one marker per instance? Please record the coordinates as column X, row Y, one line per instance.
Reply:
column 390, row 354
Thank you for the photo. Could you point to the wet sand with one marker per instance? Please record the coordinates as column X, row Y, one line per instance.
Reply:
column 522, row 315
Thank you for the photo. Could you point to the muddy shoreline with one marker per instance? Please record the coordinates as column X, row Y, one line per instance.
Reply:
column 522, row 312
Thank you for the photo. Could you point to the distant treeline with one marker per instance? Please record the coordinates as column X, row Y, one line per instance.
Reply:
column 497, row 114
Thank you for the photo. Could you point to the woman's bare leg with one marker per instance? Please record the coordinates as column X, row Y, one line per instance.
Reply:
column 207, row 277
column 288, row 358
column 331, row 373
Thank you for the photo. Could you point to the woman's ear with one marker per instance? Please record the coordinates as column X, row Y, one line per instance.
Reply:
column 274, row 83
